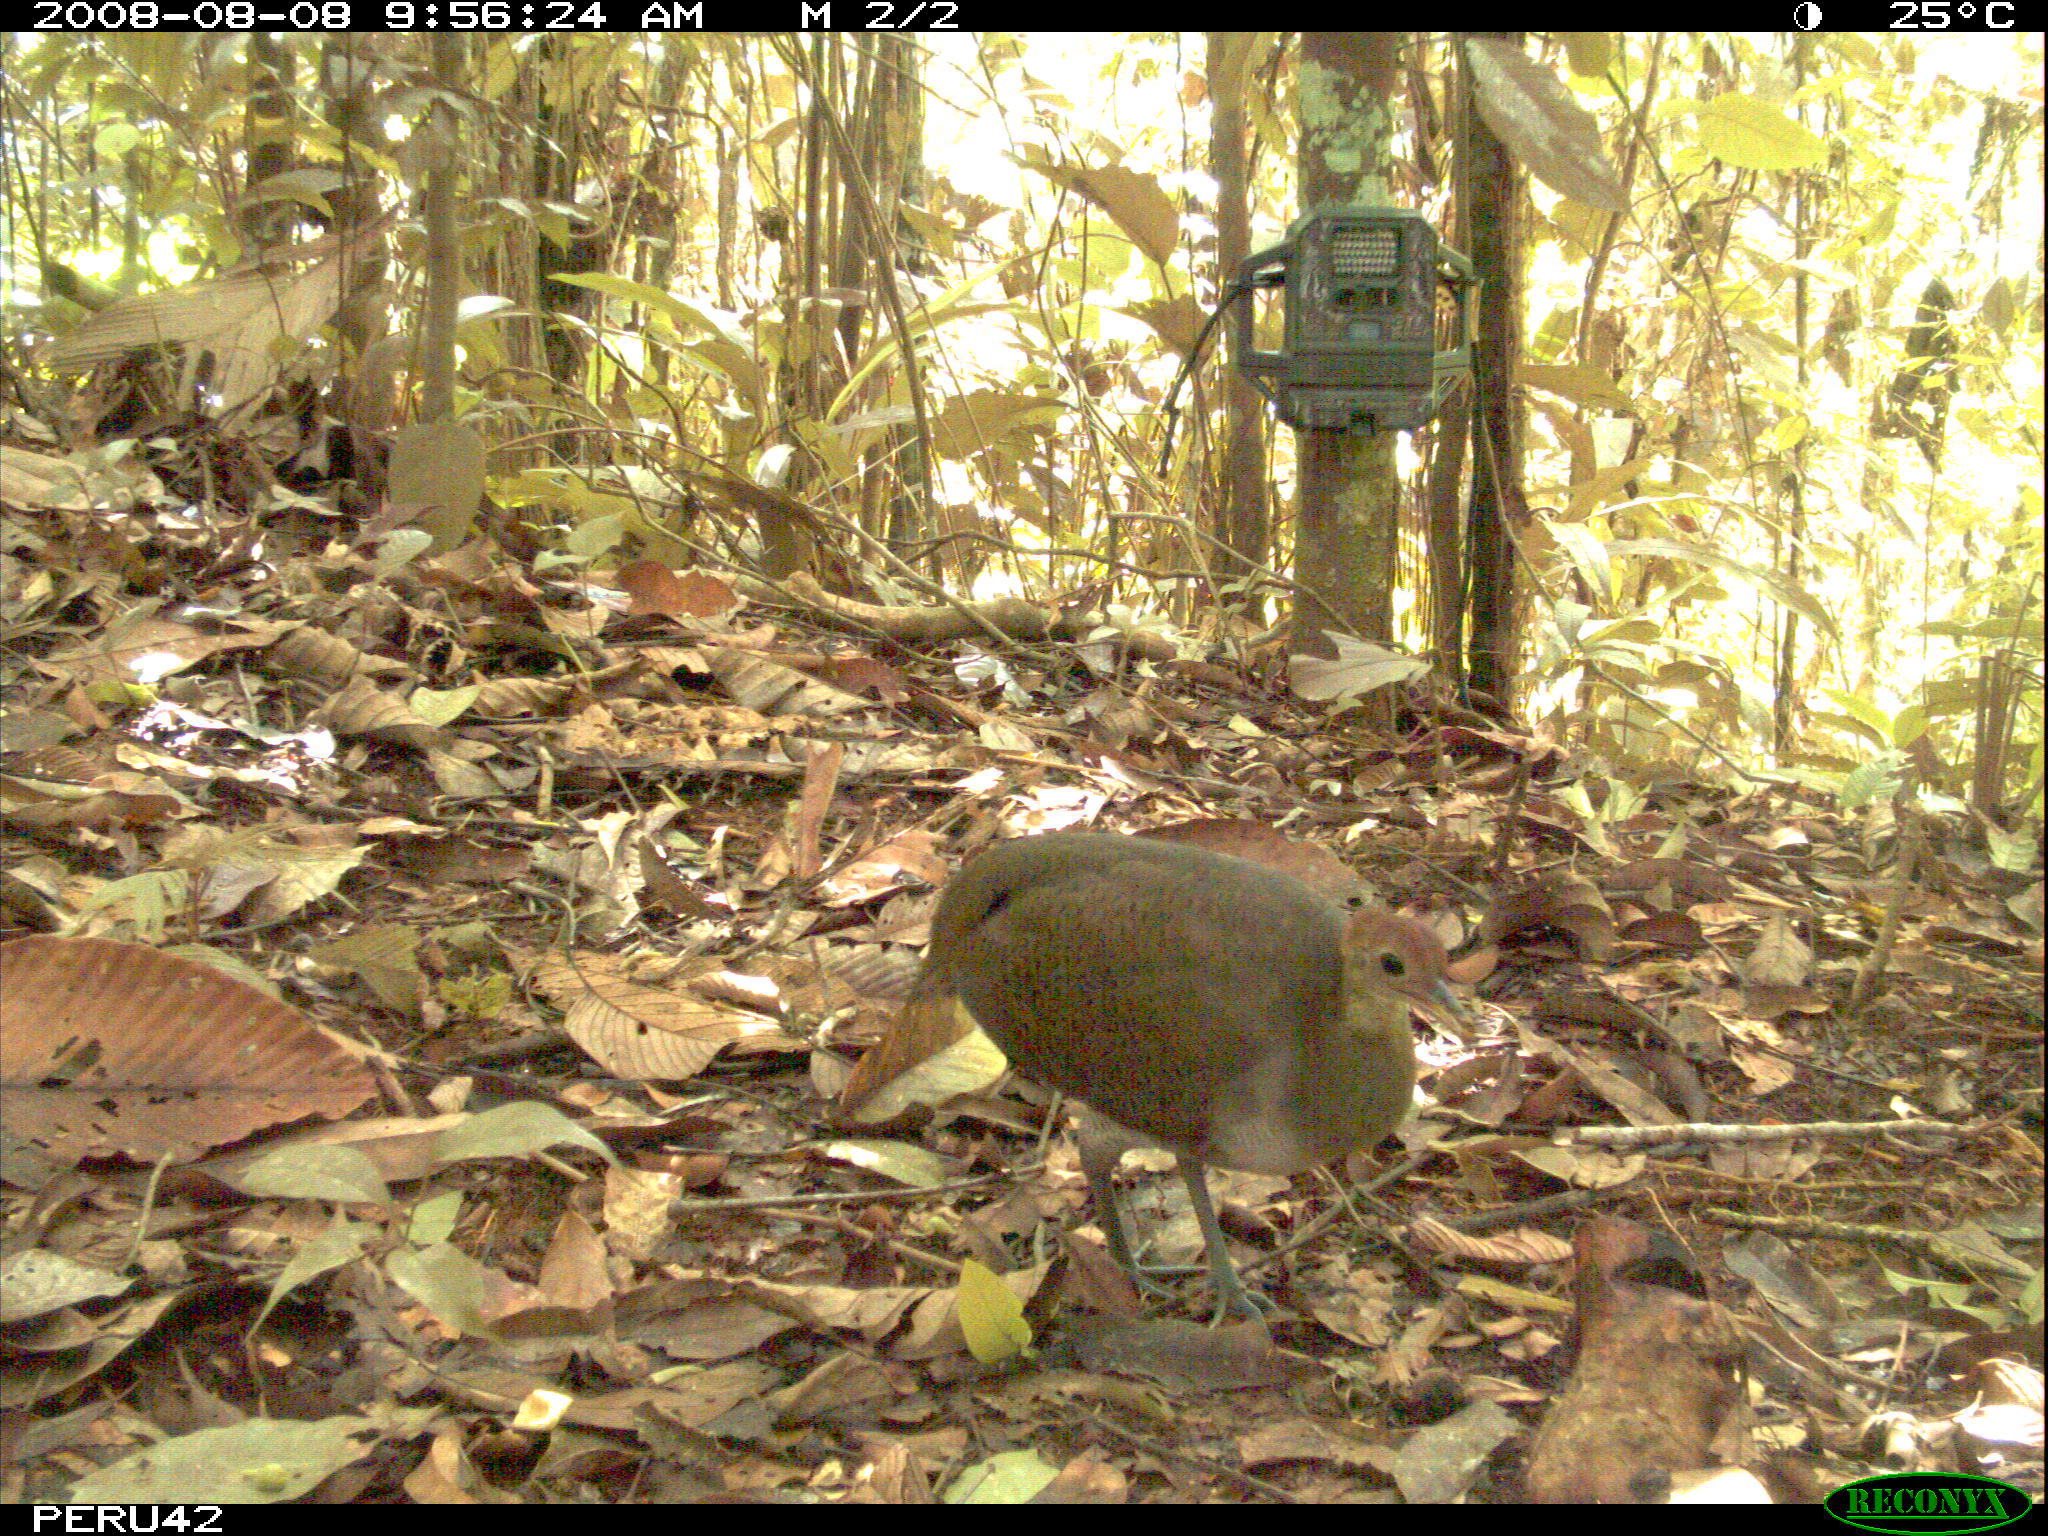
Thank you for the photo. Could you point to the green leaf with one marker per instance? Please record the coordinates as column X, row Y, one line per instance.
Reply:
column 515, row 1130
column 1874, row 780
column 1015, row 1477
column 1580, row 383
column 1864, row 712
column 991, row 1316
column 462, row 1294
column 433, row 1219
column 262, row 1461
column 443, row 706
column 1588, row 555
column 311, row 1172
column 914, row 1167
column 1752, row 135
column 342, row 1242
column 688, row 314
column 968, row 1065
column 1784, row 592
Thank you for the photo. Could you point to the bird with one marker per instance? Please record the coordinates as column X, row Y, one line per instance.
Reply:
column 1200, row 1002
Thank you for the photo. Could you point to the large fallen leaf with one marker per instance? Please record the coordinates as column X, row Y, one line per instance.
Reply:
column 110, row 1048
column 640, row 1031
column 240, row 318
column 36, row 1282
column 261, row 1461
column 34, row 1377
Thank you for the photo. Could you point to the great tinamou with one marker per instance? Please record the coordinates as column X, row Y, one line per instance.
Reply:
column 1213, row 1006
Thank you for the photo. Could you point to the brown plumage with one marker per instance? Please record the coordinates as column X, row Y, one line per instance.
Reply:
column 1214, row 1006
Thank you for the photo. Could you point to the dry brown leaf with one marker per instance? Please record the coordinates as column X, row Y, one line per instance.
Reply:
column 1310, row 863
column 361, row 708
column 640, row 1031
column 775, row 690
column 110, row 1048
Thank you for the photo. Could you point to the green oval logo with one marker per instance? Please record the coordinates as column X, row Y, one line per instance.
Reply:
column 1919, row 1502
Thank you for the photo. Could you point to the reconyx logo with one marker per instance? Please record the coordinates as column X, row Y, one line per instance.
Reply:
column 1923, row 1502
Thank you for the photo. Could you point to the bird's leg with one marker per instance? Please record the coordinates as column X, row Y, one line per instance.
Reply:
column 1231, row 1295
column 1101, row 1144
column 1100, row 1150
